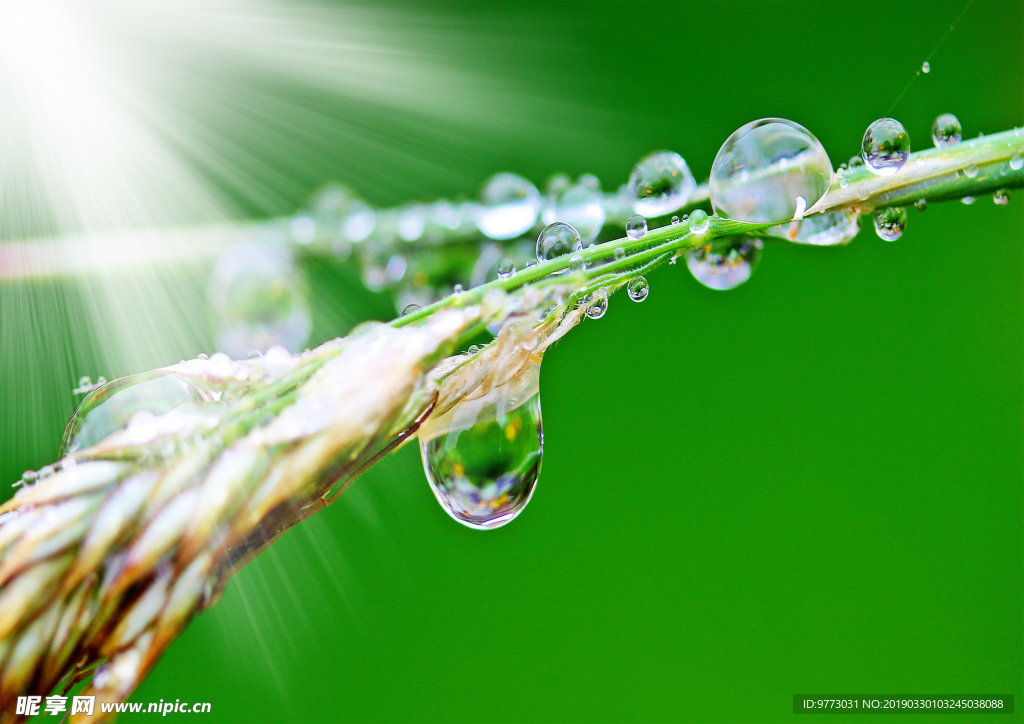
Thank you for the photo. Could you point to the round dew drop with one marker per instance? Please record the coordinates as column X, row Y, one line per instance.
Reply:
column 483, row 457
column 619, row 253
column 725, row 264
column 598, row 305
column 557, row 239
column 764, row 167
column 886, row 146
column 638, row 289
column 410, row 308
column 508, row 208
column 576, row 263
column 946, row 130
column 698, row 222
column 971, row 171
column 1016, row 161
column 921, row 204
column 636, row 226
column 660, row 183
column 890, row 223
column 967, row 200
column 506, row 268
column 1001, row 197
column 926, row 67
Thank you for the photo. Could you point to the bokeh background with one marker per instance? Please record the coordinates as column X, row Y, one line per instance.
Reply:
column 810, row 484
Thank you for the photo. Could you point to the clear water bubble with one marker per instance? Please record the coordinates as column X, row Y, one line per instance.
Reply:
column 725, row 264
column 1001, row 197
column 483, row 457
column 886, row 146
column 619, row 253
column 890, row 223
column 698, row 221
column 660, row 183
column 580, row 205
column 841, row 175
column 111, row 407
column 335, row 210
column 410, row 308
column 257, row 299
column 636, row 226
column 832, row 228
column 506, row 268
column 638, row 289
column 1016, row 161
column 926, row 67
column 921, row 204
column 967, row 200
column 856, row 162
column 598, row 305
column 557, row 239
column 674, row 220
column 946, row 130
column 508, row 208
column 763, row 168
column 576, row 263
column 971, row 171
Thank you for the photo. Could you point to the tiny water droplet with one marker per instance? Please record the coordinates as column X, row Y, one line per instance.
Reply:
column 856, row 161
column 509, row 205
column 202, row 355
column 967, row 200
column 886, row 146
column 84, row 382
column 1016, row 161
column 483, row 457
column 473, row 348
column 698, row 221
column 46, row 471
column 660, row 183
column 890, row 222
column 458, row 289
column 926, row 67
column 921, row 204
column 576, row 263
column 674, row 220
column 1001, row 197
column 620, row 253
column 29, row 476
column 946, row 130
column 636, row 226
column 557, row 239
column 724, row 264
column 971, row 171
column 763, row 167
column 638, row 289
column 410, row 308
column 506, row 268
column 598, row 305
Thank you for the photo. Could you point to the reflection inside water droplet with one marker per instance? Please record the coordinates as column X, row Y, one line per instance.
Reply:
column 886, row 146
column 725, row 264
column 660, row 183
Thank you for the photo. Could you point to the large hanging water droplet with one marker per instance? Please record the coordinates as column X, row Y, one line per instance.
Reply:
column 886, row 146
column 890, row 222
column 725, row 264
column 946, row 130
column 483, row 457
column 557, row 239
column 257, row 300
column 636, row 227
column 828, row 229
column 661, row 183
column 509, row 205
column 638, row 289
column 1001, row 197
column 110, row 408
column 764, row 167
column 580, row 205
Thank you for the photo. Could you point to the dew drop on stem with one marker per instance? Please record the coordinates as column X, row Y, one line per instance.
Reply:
column 885, row 147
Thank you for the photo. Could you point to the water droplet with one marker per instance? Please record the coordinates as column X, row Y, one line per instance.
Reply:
column 598, row 304
column 202, row 355
column 576, row 263
column 886, row 146
column 557, row 239
column 509, row 205
column 482, row 458
column 856, row 162
column 636, row 226
column 84, row 382
column 1016, row 161
column 257, row 299
column 410, row 308
column 335, row 210
column 967, row 200
column 638, row 289
column 890, row 223
column 725, row 264
column 395, row 269
column 46, row 471
column 619, row 253
column 1001, row 197
column 921, row 204
column 590, row 181
column 763, row 168
column 579, row 205
column 506, row 268
column 473, row 348
column 946, row 130
column 971, row 171
column 674, row 220
column 458, row 289
column 698, row 221
column 926, row 67
column 661, row 182
column 831, row 228
column 110, row 408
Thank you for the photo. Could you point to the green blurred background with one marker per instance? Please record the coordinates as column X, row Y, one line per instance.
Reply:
column 811, row 484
